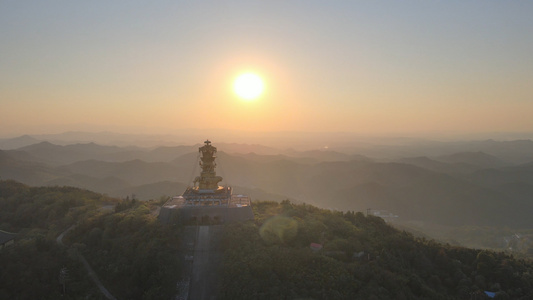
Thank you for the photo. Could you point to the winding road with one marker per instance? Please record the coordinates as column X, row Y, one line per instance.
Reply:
column 88, row 267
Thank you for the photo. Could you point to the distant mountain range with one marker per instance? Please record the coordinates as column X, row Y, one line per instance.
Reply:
column 461, row 188
column 515, row 151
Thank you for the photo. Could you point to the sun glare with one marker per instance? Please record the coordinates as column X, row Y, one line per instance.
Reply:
column 248, row 86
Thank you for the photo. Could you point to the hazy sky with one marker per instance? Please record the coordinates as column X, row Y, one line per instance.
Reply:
column 352, row 66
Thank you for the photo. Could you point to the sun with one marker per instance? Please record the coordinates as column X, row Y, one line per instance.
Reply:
column 248, row 86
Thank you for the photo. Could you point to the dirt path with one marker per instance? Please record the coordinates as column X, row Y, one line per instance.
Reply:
column 95, row 278
column 59, row 239
column 88, row 267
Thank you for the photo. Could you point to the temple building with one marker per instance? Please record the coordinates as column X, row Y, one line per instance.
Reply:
column 206, row 201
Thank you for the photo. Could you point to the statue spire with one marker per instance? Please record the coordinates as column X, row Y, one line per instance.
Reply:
column 207, row 179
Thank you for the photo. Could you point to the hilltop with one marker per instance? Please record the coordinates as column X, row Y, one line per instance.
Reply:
column 121, row 239
column 448, row 190
column 437, row 188
column 357, row 257
column 360, row 257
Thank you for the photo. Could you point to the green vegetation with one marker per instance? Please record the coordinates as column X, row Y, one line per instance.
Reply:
column 269, row 258
column 30, row 267
column 465, row 188
column 45, row 210
column 30, row 270
column 515, row 241
column 362, row 258
column 134, row 256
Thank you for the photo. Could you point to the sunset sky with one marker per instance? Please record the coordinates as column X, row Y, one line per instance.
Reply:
column 373, row 67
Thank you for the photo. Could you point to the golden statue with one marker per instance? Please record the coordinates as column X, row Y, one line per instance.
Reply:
column 208, row 179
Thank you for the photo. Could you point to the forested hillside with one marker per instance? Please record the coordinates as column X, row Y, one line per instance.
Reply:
column 354, row 257
column 440, row 189
column 135, row 256
column 362, row 258
column 31, row 267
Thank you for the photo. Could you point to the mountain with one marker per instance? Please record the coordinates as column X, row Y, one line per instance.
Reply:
column 511, row 152
column 247, row 148
column 269, row 158
column 29, row 172
column 14, row 143
column 21, row 155
column 305, row 157
column 260, row 194
column 40, row 214
column 135, row 172
column 107, row 184
column 222, row 138
column 289, row 251
column 326, row 155
column 151, row 190
column 495, row 177
column 479, row 159
column 517, row 151
column 114, row 139
column 438, row 166
column 311, row 253
column 167, row 154
column 461, row 191
column 59, row 155
column 437, row 200
column 170, row 188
